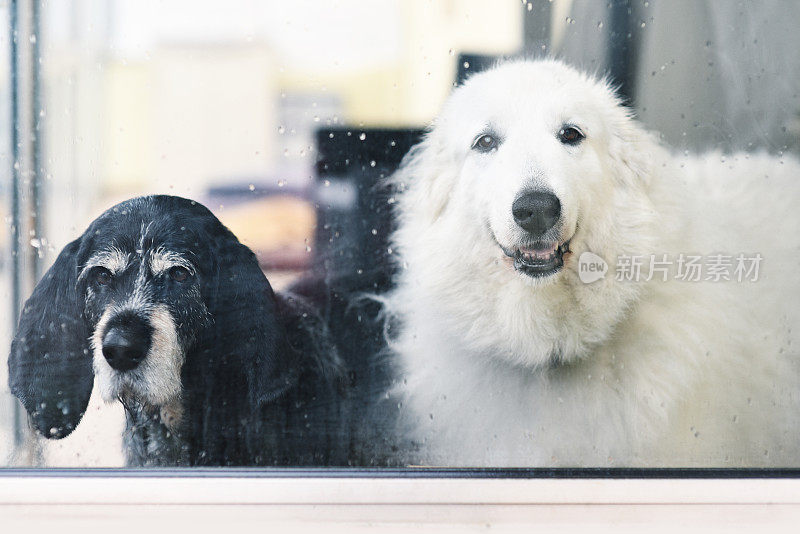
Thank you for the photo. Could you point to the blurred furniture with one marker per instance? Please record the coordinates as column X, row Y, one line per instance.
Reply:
column 354, row 205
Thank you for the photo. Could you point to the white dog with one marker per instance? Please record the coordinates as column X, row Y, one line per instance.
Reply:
column 518, row 350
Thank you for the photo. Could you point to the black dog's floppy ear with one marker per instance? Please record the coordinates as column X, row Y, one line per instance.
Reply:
column 242, row 362
column 246, row 321
column 50, row 365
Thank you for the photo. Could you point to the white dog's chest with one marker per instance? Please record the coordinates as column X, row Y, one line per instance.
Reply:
column 618, row 413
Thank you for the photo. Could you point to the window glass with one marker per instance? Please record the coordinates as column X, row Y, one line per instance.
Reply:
column 7, row 408
column 286, row 120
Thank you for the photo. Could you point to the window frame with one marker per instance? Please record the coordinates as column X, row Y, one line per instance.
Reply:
column 345, row 499
column 324, row 485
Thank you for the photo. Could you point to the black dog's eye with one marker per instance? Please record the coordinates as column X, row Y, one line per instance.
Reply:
column 103, row 276
column 569, row 135
column 485, row 143
column 179, row 274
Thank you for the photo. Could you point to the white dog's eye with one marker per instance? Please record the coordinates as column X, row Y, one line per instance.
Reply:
column 570, row 135
column 485, row 143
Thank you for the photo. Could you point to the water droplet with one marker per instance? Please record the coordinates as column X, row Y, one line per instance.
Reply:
column 362, row 136
column 372, row 163
column 374, row 231
column 252, row 187
column 281, row 183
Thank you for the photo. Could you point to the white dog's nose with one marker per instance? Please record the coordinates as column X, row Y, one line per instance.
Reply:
column 536, row 211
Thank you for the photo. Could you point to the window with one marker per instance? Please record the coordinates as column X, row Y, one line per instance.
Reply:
column 287, row 119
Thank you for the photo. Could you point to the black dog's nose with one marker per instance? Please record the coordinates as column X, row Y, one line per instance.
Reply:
column 536, row 212
column 121, row 348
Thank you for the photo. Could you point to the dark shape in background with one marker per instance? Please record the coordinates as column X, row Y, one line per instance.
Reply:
column 354, row 203
column 623, row 46
column 469, row 64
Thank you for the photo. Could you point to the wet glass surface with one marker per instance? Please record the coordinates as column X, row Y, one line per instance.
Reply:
column 248, row 326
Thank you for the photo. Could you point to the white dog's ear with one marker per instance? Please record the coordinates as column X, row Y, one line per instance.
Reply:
column 426, row 179
column 633, row 151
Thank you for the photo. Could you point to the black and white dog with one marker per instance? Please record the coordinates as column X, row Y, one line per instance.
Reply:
column 172, row 315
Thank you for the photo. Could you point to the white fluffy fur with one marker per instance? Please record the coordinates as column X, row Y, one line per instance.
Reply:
column 647, row 374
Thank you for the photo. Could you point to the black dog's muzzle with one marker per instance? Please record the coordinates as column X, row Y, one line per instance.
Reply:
column 126, row 341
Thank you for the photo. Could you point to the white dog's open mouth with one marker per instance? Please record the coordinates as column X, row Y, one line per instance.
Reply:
column 539, row 259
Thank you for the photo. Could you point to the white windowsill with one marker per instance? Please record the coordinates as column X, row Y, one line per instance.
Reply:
column 293, row 490
column 70, row 503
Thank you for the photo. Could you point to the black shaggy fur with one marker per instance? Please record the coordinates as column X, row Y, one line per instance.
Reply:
column 261, row 382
